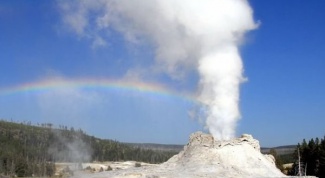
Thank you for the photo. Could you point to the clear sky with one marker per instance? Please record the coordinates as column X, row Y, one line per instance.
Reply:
column 50, row 73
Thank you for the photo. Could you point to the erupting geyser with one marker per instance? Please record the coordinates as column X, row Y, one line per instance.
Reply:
column 186, row 34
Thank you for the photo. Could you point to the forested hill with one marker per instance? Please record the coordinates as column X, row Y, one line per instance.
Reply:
column 27, row 149
column 158, row 147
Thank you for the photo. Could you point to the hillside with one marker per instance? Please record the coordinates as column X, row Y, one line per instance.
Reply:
column 27, row 149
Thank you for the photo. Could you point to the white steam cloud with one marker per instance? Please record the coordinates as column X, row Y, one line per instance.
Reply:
column 203, row 35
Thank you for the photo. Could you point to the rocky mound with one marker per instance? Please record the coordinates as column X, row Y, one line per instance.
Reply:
column 239, row 157
column 205, row 157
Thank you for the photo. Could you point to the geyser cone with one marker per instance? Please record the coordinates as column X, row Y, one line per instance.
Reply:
column 205, row 157
column 238, row 157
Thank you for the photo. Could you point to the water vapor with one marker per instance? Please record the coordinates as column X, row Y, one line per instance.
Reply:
column 201, row 35
column 69, row 147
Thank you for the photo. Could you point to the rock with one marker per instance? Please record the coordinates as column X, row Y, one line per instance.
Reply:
column 250, row 140
column 270, row 158
column 207, row 140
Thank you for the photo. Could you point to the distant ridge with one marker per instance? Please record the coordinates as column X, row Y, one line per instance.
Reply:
column 281, row 150
column 157, row 146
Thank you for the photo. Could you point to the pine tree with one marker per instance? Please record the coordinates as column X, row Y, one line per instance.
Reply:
column 321, row 172
column 311, row 158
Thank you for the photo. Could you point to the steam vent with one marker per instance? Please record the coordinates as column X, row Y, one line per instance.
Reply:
column 205, row 157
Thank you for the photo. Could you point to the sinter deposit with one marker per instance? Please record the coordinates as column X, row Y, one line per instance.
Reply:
column 205, row 157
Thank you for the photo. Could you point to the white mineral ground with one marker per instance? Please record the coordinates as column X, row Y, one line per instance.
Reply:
column 203, row 157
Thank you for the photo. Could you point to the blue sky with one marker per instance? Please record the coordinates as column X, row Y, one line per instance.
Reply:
column 282, row 102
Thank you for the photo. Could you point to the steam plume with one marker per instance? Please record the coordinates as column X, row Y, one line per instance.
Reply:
column 187, row 34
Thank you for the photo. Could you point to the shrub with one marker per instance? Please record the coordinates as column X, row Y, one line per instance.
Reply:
column 109, row 168
column 137, row 164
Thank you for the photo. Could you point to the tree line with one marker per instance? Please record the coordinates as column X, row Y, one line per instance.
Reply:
column 29, row 150
column 310, row 158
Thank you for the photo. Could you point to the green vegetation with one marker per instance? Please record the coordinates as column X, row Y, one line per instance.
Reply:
column 278, row 160
column 286, row 158
column 281, row 159
column 27, row 150
column 312, row 158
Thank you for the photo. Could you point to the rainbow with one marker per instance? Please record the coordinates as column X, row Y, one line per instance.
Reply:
column 94, row 84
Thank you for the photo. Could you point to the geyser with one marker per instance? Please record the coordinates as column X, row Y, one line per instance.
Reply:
column 205, row 157
column 203, row 35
